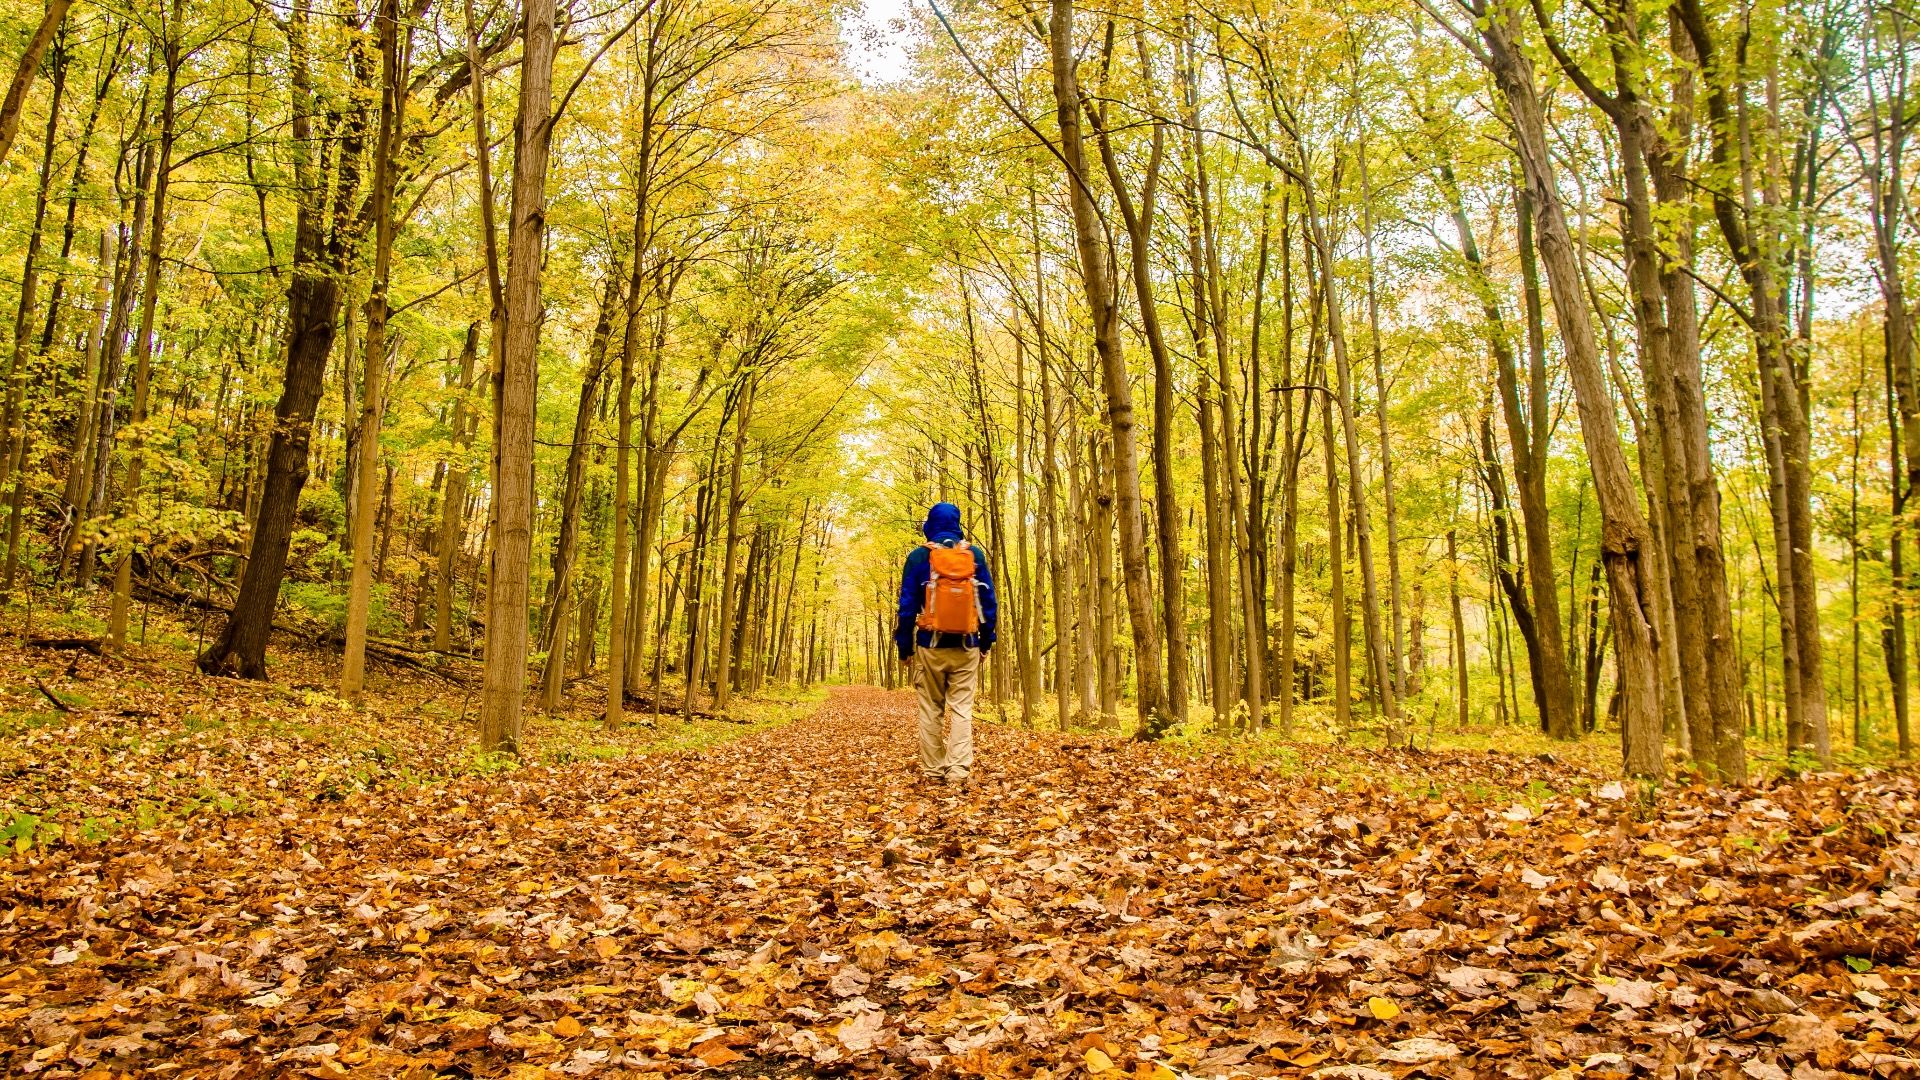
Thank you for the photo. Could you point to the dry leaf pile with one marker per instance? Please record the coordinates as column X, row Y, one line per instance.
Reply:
column 800, row 902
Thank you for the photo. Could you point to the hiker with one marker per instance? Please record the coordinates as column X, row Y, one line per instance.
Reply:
column 947, row 620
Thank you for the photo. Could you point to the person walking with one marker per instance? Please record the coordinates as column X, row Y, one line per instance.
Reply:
column 948, row 617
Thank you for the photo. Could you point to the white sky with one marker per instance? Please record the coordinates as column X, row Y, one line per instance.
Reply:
column 877, row 40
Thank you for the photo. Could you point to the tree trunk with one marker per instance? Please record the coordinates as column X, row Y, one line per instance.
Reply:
column 1459, row 648
column 743, row 413
column 313, row 307
column 149, row 304
column 373, row 406
column 1526, row 430
column 1098, row 286
column 505, row 681
column 553, row 636
column 1394, row 642
column 453, row 505
column 1625, row 539
column 1382, row 678
column 14, row 466
column 16, row 99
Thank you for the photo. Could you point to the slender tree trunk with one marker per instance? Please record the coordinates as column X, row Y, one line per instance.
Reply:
column 1219, row 601
column 1625, row 537
column 126, row 278
column 1381, row 675
column 80, row 467
column 373, row 406
column 1337, row 576
column 1097, row 283
column 553, row 635
column 1394, row 643
column 1893, row 632
column 16, row 100
column 14, row 467
column 453, row 504
column 149, row 303
column 743, row 413
column 1459, row 649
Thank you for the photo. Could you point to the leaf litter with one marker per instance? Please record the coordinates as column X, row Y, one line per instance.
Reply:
column 799, row 902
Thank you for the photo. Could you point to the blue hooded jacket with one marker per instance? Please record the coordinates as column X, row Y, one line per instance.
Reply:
column 942, row 527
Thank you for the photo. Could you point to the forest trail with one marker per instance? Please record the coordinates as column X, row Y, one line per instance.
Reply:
column 799, row 902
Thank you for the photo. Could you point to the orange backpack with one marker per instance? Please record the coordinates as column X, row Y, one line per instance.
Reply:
column 952, row 604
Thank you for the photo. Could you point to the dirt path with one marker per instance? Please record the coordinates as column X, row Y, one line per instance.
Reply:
column 801, row 902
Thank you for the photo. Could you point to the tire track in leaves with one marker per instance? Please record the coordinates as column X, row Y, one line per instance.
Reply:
column 800, row 902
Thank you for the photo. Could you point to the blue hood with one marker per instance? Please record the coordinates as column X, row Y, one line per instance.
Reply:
column 943, row 523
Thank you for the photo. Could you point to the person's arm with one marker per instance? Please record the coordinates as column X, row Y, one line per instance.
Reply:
column 989, row 602
column 913, row 586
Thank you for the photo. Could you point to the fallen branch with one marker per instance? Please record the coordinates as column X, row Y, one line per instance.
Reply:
column 87, row 645
column 646, row 702
column 50, row 696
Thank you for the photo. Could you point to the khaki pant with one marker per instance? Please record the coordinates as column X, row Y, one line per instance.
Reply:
column 945, row 682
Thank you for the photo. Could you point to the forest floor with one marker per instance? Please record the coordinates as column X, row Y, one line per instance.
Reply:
column 219, row 879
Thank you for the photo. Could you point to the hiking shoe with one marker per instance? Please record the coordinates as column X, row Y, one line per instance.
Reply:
column 956, row 776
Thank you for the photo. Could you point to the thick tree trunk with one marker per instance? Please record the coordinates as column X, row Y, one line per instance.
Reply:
column 505, row 682
column 1750, row 233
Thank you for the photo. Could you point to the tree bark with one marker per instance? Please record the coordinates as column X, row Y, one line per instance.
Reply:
column 553, row 633
column 320, row 257
column 16, row 100
column 353, row 667
column 1625, row 539
column 170, row 50
column 1097, row 283
column 14, row 467
column 453, row 505
column 505, row 683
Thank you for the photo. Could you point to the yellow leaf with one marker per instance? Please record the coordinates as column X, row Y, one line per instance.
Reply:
column 1382, row 1008
column 566, row 1027
column 1657, row 850
column 1097, row 1061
